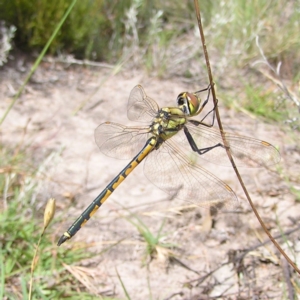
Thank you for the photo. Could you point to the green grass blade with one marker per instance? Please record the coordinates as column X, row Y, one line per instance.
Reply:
column 38, row 60
column 24, row 287
column 123, row 286
column 2, row 276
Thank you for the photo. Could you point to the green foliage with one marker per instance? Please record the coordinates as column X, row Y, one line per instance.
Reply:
column 152, row 32
column 20, row 229
column 263, row 103
column 154, row 242
column 260, row 101
column 296, row 193
column 237, row 23
column 36, row 20
column 95, row 29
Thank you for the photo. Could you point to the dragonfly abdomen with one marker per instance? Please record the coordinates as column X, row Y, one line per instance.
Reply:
column 101, row 198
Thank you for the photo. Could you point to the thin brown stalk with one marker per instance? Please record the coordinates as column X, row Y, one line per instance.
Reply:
column 197, row 9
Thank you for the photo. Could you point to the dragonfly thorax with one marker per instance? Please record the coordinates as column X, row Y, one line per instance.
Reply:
column 168, row 122
column 189, row 103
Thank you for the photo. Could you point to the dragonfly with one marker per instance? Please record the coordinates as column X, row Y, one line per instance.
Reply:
column 168, row 142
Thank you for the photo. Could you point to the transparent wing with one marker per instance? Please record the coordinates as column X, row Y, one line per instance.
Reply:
column 172, row 172
column 140, row 107
column 120, row 141
column 247, row 152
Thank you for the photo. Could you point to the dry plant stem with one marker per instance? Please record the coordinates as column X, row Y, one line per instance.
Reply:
column 33, row 265
column 226, row 144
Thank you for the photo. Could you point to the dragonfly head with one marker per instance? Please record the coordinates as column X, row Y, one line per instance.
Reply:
column 189, row 103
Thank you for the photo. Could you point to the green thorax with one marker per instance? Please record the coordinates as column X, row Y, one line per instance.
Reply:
column 168, row 122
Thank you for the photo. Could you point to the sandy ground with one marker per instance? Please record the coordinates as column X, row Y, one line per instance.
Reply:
column 206, row 261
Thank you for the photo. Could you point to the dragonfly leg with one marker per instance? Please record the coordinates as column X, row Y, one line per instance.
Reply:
column 202, row 107
column 208, row 88
column 213, row 118
column 194, row 145
column 206, row 101
column 207, row 98
column 197, row 123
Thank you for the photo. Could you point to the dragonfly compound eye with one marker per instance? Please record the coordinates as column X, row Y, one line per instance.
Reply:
column 189, row 103
column 193, row 102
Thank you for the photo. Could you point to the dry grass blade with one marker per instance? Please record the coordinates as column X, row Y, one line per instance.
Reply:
column 85, row 276
column 49, row 212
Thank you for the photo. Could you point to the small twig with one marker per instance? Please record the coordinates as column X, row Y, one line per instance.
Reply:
column 180, row 263
column 173, row 295
column 278, row 81
column 70, row 60
column 227, row 147
column 207, row 275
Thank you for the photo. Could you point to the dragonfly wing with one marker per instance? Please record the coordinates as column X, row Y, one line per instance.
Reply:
column 172, row 172
column 120, row 141
column 140, row 107
column 247, row 152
